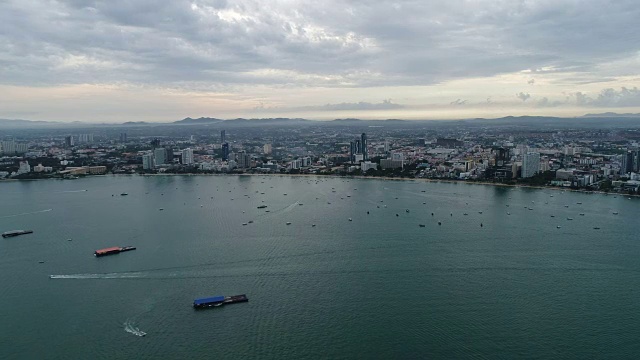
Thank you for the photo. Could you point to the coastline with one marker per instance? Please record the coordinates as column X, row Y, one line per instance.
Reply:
column 483, row 183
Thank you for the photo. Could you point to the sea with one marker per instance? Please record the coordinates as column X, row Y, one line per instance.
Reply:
column 334, row 268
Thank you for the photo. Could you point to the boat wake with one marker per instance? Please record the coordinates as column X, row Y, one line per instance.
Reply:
column 28, row 213
column 130, row 275
column 73, row 191
column 291, row 207
column 132, row 329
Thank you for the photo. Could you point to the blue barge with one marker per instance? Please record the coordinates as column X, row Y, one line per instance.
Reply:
column 216, row 301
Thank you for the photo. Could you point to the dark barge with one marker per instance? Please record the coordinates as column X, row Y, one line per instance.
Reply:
column 112, row 250
column 216, row 301
column 16, row 233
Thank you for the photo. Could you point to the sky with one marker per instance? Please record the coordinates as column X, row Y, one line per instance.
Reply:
column 143, row 60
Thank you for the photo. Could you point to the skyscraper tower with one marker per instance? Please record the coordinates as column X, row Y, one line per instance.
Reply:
column 627, row 163
column 225, row 151
column 363, row 147
column 352, row 151
column 223, row 136
column 68, row 141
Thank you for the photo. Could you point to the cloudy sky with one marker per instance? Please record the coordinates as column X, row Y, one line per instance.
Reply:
column 122, row 60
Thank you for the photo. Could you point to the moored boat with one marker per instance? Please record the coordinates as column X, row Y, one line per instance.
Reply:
column 13, row 233
column 112, row 250
column 216, row 301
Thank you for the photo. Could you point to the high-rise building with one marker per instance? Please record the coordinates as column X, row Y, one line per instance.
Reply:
column 367, row 165
column 421, row 142
column 266, row 149
column 68, row 141
column 123, row 137
column 627, row 163
column 147, row 161
column 386, row 146
column 244, row 161
column 501, row 169
column 24, row 167
column 85, row 138
column 21, row 148
column 225, row 151
column 223, row 136
column 397, row 156
column 352, row 151
column 160, row 156
column 363, row 147
column 544, row 165
column 187, row 156
column 636, row 161
column 8, row 147
column 530, row 164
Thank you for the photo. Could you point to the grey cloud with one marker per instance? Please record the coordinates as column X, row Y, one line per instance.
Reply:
column 545, row 102
column 625, row 97
column 459, row 102
column 523, row 96
column 531, row 82
column 329, row 43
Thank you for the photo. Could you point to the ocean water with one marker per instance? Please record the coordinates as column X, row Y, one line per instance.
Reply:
column 378, row 286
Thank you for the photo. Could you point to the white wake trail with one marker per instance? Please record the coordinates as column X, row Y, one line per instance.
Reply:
column 99, row 276
column 132, row 329
column 28, row 213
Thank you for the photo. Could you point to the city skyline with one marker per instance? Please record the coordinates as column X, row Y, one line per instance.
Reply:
column 115, row 62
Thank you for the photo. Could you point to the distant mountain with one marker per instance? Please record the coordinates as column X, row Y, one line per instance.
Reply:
column 18, row 123
column 609, row 119
column 136, row 123
column 200, row 120
column 611, row 115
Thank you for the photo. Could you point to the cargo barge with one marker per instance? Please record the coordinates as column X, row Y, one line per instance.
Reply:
column 13, row 233
column 216, row 301
column 112, row 250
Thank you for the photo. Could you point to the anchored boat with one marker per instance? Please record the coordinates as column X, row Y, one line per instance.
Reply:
column 13, row 233
column 112, row 250
column 216, row 301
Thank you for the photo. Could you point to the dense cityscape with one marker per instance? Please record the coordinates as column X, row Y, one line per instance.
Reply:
column 576, row 157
